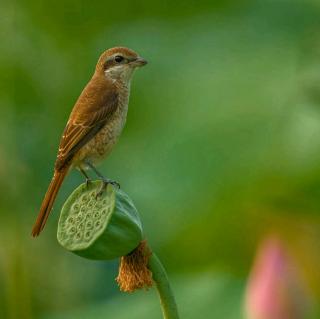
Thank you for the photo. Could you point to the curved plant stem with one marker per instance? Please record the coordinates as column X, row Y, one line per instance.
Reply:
column 168, row 303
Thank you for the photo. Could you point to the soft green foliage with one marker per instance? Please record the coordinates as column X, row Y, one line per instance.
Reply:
column 221, row 146
column 212, row 296
column 100, row 227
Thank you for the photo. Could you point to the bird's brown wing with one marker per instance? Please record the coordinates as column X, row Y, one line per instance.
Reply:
column 90, row 114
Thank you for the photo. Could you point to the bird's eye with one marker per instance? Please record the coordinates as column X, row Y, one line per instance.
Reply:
column 118, row 58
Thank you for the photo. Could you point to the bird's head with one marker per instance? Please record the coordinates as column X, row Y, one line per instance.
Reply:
column 119, row 63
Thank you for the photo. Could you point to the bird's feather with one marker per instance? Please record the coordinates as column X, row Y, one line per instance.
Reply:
column 94, row 108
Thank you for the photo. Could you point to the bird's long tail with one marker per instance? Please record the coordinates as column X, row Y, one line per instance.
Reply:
column 48, row 200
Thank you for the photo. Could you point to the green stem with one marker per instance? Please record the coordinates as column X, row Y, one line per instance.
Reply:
column 168, row 303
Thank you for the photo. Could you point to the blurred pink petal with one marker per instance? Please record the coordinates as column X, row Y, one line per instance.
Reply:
column 275, row 290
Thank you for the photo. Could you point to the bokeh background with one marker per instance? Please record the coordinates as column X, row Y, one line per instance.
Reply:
column 221, row 151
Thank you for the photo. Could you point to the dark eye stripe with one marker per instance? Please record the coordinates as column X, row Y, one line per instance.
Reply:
column 108, row 64
column 115, row 60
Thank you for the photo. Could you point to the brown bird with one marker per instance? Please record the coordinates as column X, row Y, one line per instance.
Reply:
column 95, row 123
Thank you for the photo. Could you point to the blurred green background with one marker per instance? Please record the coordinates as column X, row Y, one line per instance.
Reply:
column 221, row 147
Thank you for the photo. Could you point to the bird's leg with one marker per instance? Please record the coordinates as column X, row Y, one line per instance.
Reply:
column 105, row 181
column 88, row 179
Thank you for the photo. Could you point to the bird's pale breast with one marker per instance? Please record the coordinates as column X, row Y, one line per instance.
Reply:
column 102, row 143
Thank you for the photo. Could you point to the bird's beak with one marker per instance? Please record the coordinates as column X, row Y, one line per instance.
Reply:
column 138, row 62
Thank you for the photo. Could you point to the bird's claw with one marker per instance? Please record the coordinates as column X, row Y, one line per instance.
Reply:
column 88, row 182
column 105, row 184
column 114, row 183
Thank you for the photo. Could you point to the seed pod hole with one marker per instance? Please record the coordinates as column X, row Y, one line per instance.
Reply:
column 96, row 214
column 89, row 224
column 103, row 212
column 76, row 207
column 84, row 198
column 79, row 218
column 83, row 209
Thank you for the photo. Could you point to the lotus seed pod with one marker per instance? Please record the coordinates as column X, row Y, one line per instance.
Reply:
column 103, row 227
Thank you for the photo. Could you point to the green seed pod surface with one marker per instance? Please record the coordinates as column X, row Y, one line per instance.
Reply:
column 103, row 227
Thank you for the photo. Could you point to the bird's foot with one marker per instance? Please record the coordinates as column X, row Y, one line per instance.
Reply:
column 104, row 185
column 88, row 182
